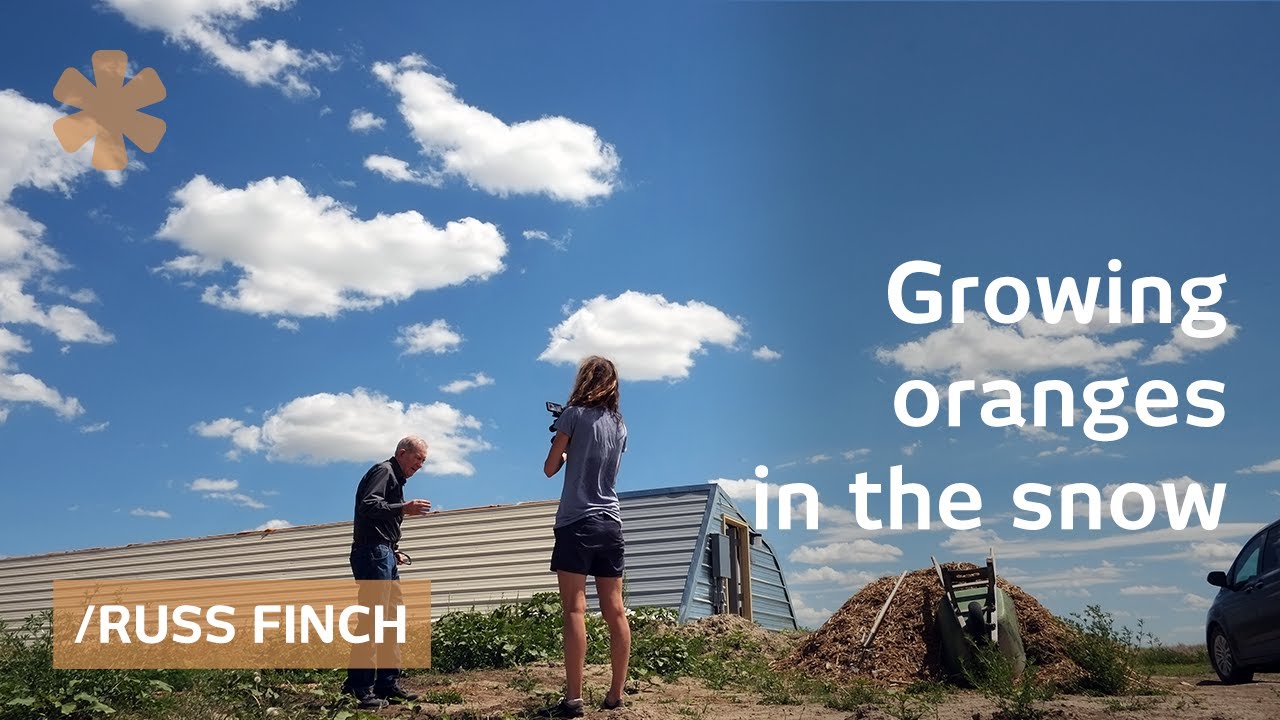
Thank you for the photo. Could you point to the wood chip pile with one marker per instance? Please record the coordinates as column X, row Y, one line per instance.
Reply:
column 906, row 646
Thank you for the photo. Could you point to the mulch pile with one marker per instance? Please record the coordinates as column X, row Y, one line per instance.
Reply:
column 907, row 648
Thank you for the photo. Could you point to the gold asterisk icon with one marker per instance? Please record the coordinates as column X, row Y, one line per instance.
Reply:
column 109, row 110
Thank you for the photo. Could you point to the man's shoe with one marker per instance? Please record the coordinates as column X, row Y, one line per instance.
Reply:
column 365, row 700
column 395, row 692
column 563, row 709
column 611, row 705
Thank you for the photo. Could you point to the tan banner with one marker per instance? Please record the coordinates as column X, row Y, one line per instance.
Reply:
column 160, row 624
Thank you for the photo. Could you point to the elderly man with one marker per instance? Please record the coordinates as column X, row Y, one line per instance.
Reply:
column 374, row 677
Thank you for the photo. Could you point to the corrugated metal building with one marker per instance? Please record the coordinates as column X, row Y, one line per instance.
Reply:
column 678, row 541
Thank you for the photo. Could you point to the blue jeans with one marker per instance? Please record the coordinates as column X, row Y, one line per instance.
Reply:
column 373, row 562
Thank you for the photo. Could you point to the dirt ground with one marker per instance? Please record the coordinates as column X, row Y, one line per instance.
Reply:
column 514, row 693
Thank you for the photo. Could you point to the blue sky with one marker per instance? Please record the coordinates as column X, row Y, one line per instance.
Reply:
column 361, row 225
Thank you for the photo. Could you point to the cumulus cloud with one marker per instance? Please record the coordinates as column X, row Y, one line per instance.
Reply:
column 211, row 485
column 1266, row 467
column 977, row 349
column 224, row 490
column 1180, row 345
column 274, row 524
column 364, row 121
column 764, row 352
column 209, row 25
column 437, row 338
column 855, row 454
column 140, row 512
column 299, row 255
column 355, row 427
column 95, row 427
column 857, row 551
column 398, row 170
column 476, row 380
column 807, row 616
column 1077, row 577
column 552, row 156
column 826, row 575
column 647, row 336
column 31, row 157
column 1149, row 590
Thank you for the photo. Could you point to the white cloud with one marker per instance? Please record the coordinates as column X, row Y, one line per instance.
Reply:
column 1266, row 467
column 1031, row 433
column 559, row 243
column 437, row 338
column 139, row 512
column 1133, row 503
column 243, row 437
column 1148, row 590
column 287, row 324
column 1070, row 578
column 275, row 524
column 807, row 616
column 819, row 458
column 552, row 155
column 359, row 426
column 911, row 449
column 857, row 551
column 24, row 388
column 1191, row 601
column 477, row 380
column 976, row 542
column 364, row 121
column 236, row 499
column 976, row 349
column 214, row 485
column 1181, row 345
column 30, row 156
column 398, row 170
column 826, row 575
column 765, row 353
column 1060, row 450
column 648, row 337
column 855, row 454
column 95, row 427
column 304, row 256
column 1032, row 326
column 210, row 24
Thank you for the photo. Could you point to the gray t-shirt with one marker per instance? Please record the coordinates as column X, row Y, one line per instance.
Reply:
column 597, row 439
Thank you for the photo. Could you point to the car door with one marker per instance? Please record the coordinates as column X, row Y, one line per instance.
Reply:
column 1240, row 606
column 1267, row 601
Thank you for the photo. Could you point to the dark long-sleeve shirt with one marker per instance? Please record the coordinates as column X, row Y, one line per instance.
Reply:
column 379, row 503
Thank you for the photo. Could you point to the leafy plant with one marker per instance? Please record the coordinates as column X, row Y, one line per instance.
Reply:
column 1016, row 697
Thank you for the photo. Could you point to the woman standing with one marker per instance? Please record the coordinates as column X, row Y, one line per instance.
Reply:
column 589, row 442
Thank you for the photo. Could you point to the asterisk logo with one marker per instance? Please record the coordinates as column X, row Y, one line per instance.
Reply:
column 109, row 110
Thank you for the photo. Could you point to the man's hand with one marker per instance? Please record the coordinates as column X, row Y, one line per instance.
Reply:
column 417, row 507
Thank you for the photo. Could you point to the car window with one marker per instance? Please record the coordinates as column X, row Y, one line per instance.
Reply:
column 1271, row 552
column 1246, row 566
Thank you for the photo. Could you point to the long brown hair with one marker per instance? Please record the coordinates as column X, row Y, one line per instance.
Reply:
column 596, row 385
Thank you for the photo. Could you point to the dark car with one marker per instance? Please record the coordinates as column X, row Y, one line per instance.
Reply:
column 1243, row 627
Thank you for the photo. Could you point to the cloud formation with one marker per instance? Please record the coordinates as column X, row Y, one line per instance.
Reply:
column 209, row 25
column 299, row 255
column 360, row 426
column 647, row 336
column 552, row 156
column 437, row 338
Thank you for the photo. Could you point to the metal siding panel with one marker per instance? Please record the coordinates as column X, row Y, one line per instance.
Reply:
column 476, row 558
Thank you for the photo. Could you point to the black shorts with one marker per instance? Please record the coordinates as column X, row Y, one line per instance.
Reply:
column 591, row 546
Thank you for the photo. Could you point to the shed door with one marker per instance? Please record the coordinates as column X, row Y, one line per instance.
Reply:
column 739, row 580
